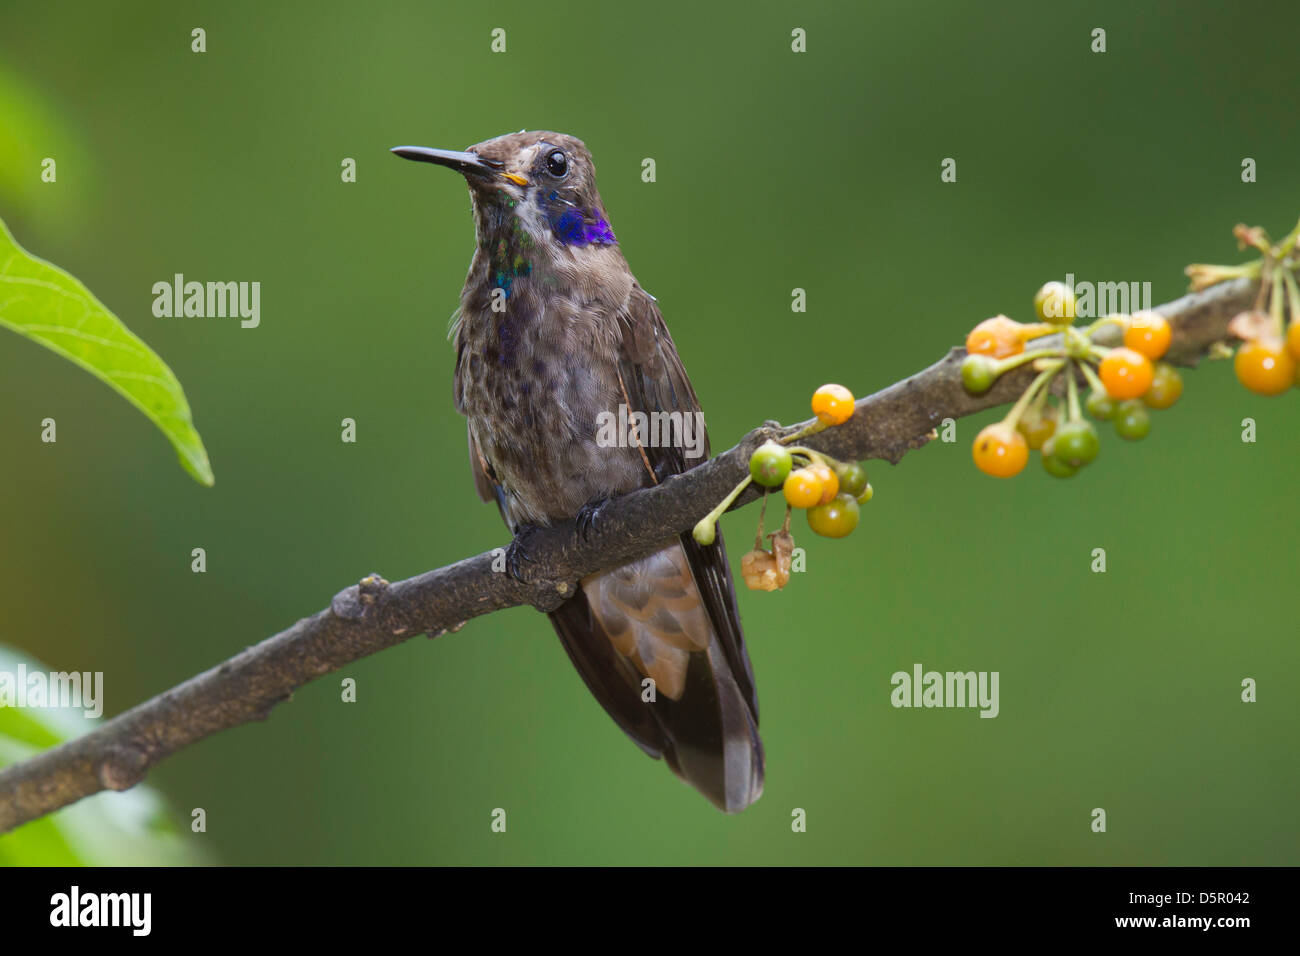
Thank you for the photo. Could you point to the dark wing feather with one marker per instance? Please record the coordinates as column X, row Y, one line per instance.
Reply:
column 484, row 482
column 656, row 381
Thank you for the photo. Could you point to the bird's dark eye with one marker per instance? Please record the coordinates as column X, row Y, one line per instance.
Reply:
column 557, row 164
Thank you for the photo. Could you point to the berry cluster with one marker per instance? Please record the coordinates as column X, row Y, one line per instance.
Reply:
column 1268, row 360
column 828, row 490
column 1125, row 382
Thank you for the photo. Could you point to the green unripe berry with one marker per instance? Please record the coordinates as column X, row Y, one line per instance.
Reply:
column 770, row 464
column 706, row 531
column 1166, row 387
column 1054, row 303
column 1100, row 406
column 835, row 519
column 1132, row 420
column 853, row 478
column 978, row 373
column 1076, row 443
column 1058, row 468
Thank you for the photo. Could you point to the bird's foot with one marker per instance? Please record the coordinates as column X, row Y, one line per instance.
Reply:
column 517, row 551
column 587, row 515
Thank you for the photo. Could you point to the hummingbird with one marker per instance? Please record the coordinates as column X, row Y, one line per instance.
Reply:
column 553, row 336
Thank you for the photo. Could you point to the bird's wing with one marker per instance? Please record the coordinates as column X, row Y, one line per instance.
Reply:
column 671, row 616
column 655, row 379
column 484, row 482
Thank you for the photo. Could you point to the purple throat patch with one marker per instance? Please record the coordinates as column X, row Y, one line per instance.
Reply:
column 574, row 229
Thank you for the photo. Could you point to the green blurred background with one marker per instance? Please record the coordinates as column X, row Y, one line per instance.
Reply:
column 775, row 170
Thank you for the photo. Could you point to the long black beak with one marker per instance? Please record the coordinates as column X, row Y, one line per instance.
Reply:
column 461, row 162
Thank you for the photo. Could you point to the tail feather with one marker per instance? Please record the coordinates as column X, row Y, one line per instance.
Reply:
column 660, row 617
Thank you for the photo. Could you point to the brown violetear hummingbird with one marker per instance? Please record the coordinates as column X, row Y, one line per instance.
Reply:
column 555, row 343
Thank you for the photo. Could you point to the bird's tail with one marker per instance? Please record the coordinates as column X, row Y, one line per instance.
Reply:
column 658, row 642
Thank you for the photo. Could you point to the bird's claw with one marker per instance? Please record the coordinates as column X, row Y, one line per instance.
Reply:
column 587, row 515
column 517, row 551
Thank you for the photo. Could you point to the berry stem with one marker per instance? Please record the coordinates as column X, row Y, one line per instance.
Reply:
column 1017, row 410
column 1092, row 377
column 1015, row 361
column 1119, row 320
column 1265, row 284
column 1204, row 275
column 1072, row 386
column 816, row 456
column 811, row 429
column 706, row 530
column 1288, row 241
column 1034, row 330
column 1278, row 304
column 1293, row 294
column 1040, row 401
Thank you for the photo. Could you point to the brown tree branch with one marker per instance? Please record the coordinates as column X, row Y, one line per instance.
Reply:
column 373, row 615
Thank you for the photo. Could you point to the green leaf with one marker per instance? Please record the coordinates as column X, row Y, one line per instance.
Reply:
column 46, row 304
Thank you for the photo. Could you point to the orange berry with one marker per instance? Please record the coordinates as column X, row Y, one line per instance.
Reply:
column 1293, row 338
column 998, row 337
column 1126, row 373
column 1265, row 366
column 830, row 481
column 833, row 405
column 1000, row 451
column 1149, row 334
column 802, row 488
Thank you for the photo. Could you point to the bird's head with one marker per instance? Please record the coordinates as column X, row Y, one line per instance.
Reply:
column 541, row 182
